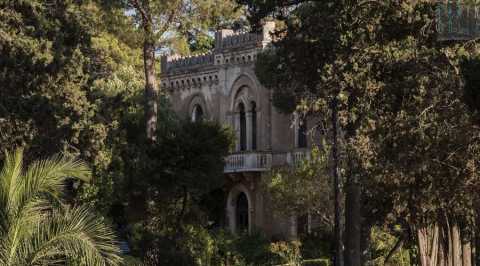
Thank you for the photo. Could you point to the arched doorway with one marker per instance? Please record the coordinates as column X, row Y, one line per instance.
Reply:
column 239, row 212
column 197, row 114
column 242, row 213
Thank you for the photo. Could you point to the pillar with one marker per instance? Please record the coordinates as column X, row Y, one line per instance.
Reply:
column 249, row 129
column 236, row 126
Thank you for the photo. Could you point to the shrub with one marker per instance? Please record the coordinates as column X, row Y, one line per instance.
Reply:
column 289, row 252
column 254, row 249
column 315, row 246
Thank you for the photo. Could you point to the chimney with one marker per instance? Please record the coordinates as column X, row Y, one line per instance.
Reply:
column 219, row 35
column 163, row 64
column 268, row 27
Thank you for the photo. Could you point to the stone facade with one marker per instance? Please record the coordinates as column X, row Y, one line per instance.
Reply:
column 222, row 86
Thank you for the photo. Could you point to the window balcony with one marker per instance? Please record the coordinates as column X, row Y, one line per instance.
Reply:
column 248, row 162
column 256, row 161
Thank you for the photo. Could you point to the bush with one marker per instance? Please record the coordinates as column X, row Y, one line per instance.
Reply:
column 315, row 246
column 289, row 252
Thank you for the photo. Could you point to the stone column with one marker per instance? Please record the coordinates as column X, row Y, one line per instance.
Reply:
column 249, row 129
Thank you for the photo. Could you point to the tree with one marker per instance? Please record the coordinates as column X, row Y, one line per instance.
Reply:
column 36, row 226
column 361, row 53
column 72, row 78
column 319, row 55
column 160, row 18
column 304, row 189
column 169, row 184
column 426, row 149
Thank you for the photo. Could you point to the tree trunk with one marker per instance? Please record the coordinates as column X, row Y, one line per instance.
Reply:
column 184, row 207
column 467, row 253
column 456, row 245
column 474, row 252
column 151, row 88
column 476, row 248
column 365, row 241
column 428, row 245
column 338, row 258
column 352, row 223
column 442, row 248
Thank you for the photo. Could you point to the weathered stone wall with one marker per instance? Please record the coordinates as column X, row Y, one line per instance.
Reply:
column 218, row 82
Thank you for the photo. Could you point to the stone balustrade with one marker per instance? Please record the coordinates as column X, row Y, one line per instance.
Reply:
column 248, row 161
column 262, row 161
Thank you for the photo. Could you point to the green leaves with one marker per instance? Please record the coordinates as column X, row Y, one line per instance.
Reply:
column 305, row 188
column 36, row 227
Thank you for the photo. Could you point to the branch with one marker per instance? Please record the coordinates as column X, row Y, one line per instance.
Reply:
column 145, row 17
column 395, row 248
column 172, row 14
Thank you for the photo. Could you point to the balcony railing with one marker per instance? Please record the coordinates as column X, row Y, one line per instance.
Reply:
column 297, row 156
column 262, row 161
column 248, row 161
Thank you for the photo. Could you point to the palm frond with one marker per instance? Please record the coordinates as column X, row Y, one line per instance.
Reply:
column 9, row 176
column 74, row 233
column 36, row 228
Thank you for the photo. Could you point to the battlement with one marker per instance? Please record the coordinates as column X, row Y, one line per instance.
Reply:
column 226, row 41
column 174, row 62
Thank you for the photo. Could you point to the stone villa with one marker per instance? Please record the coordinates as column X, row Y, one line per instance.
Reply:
column 222, row 86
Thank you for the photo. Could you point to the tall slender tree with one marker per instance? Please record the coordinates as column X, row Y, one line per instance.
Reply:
column 158, row 19
column 316, row 53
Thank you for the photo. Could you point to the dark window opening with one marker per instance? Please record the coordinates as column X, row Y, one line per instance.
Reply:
column 243, row 128
column 302, row 134
column 254, row 126
column 242, row 212
column 197, row 115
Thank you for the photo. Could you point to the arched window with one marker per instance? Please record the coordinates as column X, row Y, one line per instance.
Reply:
column 197, row 113
column 302, row 133
column 242, row 213
column 254, row 126
column 243, row 127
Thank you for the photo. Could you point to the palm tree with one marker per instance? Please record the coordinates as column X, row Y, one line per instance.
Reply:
column 37, row 228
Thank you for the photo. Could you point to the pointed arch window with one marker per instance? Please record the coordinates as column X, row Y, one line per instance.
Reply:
column 242, row 213
column 197, row 113
column 243, row 127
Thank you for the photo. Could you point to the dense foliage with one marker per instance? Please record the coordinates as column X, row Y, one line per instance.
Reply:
column 74, row 76
column 72, row 81
column 408, row 137
column 38, row 228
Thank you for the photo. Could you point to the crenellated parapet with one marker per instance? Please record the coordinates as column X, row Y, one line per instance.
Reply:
column 231, row 48
column 175, row 62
